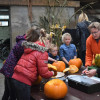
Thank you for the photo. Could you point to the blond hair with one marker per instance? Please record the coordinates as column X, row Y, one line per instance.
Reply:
column 94, row 25
column 65, row 35
column 82, row 17
column 52, row 46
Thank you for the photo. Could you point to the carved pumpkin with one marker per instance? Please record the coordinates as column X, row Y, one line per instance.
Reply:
column 72, row 69
column 60, row 65
column 55, row 89
column 77, row 62
column 38, row 81
column 51, row 67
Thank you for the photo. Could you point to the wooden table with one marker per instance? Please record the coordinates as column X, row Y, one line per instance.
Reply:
column 73, row 94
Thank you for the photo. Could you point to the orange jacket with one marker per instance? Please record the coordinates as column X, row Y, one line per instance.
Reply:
column 92, row 48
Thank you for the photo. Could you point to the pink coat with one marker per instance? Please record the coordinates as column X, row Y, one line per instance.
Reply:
column 32, row 63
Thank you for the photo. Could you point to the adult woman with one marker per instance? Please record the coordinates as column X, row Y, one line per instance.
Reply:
column 92, row 47
column 83, row 33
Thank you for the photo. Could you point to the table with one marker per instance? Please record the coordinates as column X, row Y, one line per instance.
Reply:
column 73, row 94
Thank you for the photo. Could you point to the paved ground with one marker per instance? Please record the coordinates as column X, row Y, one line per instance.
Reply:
column 1, row 82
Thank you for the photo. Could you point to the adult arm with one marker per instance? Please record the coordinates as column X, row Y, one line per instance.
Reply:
column 89, row 53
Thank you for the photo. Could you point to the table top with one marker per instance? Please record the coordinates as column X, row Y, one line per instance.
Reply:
column 73, row 94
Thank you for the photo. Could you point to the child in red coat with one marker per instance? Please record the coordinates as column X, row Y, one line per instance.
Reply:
column 31, row 64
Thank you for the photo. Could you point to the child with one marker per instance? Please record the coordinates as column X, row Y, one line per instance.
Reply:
column 67, row 50
column 53, row 51
column 47, row 40
column 8, row 67
column 31, row 64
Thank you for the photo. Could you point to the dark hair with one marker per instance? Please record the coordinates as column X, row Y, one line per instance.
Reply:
column 33, row 35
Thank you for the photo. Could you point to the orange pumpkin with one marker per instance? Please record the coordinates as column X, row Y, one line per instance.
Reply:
column 72, row 69
column 77, row 62
column 38, row 81
column 60, row 65
column 55, row 89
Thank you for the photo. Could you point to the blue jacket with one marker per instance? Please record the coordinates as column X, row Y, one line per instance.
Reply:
column 67, row 51
column 54, row 57
column 14, row 56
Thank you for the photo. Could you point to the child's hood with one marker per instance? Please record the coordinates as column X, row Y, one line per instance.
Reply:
column 18, row 38
column 30, row 46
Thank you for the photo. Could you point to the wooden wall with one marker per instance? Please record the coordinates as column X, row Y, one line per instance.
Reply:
column 38, row 2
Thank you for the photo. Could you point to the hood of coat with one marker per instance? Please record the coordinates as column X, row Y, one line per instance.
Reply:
column 18, row 38
column 30, row 46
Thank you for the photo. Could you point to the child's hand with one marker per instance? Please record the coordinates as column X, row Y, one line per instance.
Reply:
column 67, row 62
column 54, row 73
column 55, row 60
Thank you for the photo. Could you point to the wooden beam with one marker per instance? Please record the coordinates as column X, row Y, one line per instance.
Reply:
column 88, row 1
column 38, row 3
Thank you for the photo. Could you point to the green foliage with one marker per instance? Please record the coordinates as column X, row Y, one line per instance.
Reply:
column 53, row 17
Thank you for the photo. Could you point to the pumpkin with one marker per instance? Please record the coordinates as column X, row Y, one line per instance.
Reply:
column 52, row 68
column 77, row 62
column 66, row 70
column 72, row 69
column 97, row 60
column 60, row 65
column 38, row 81
column 55, row 89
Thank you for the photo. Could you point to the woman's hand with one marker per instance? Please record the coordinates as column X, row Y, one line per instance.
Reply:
column 85, row 71
column 91, row 72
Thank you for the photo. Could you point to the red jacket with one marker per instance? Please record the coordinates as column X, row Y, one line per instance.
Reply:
column 32, row 63
column 92, row 48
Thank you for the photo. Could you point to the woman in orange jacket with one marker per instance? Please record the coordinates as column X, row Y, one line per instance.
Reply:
column 92, row 48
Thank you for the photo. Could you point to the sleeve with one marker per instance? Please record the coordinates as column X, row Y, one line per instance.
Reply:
column 42, row 62
column 75, row 51
column 89, row 53
column 61, row 52
column 78, row 35
column 18, row 50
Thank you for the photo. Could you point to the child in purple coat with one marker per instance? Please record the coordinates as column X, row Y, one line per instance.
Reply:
column 8, row 67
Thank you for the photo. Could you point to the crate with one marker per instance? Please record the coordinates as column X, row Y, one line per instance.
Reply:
column 84, row 83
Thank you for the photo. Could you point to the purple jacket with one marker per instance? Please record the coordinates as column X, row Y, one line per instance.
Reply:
column 14, row 56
